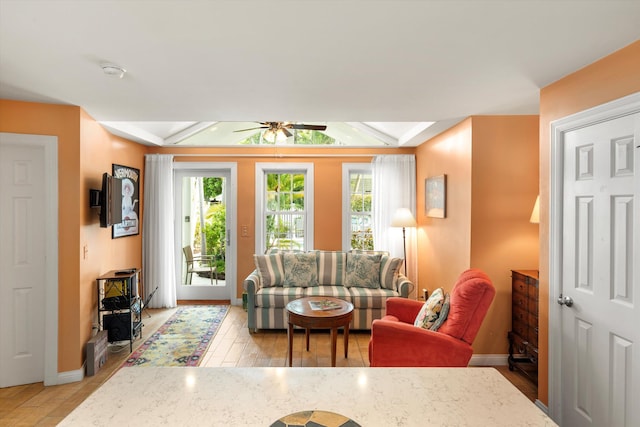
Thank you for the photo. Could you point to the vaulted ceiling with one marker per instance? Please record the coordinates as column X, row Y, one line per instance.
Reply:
column 385, row 67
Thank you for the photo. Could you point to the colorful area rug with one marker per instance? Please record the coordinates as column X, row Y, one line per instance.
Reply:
column 182, row 340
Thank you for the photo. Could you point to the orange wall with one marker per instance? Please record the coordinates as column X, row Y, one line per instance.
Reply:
column 84, row 152
column 492, row 184
column 504, row 189
column 444, row 244
column 99, row 150
column 613, row 77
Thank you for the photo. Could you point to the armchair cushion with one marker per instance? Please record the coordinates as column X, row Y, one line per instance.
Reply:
column 396, row 343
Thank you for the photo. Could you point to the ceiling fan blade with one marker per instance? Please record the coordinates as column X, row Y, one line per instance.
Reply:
column 308, row 127
column 286, row 132
column 244, row 130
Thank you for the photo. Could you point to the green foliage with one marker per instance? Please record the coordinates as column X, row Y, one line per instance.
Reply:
column 360, row 203
column 362, row 240
column 311, row 137
column 215, row 233
column 284, row 191
column 212, row 187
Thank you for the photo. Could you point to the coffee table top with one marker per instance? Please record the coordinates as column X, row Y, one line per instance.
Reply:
column 301, row 307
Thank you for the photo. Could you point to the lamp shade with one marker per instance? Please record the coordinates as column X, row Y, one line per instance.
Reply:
column 535, row 214
column 403, row 218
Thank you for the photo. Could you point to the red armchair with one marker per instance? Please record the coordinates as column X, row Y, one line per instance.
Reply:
column 395, row 341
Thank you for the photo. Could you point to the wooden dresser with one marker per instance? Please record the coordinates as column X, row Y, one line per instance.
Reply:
column 523, row 337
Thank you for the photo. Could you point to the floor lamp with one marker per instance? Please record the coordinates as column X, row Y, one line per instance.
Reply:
column 403, row 218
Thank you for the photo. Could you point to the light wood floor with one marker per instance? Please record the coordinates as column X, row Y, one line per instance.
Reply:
column 233, row 345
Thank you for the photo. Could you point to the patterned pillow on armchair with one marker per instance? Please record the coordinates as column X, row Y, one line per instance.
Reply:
column 429, row 312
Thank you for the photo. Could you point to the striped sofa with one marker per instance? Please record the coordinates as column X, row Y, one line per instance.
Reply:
column 364, row 279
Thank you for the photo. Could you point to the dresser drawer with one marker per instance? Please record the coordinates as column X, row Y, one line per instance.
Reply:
column 519, row 344
column 532, row 305
column 532, row 288
column 532, row 319
column 521, row 301
column 520, row 314
column 519, row 284
column 532, row 336
column 521, row 329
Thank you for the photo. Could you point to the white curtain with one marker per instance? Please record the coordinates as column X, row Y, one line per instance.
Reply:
column 394, row 186
column 158, row 258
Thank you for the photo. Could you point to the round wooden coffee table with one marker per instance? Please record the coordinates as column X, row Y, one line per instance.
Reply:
column 301, row 314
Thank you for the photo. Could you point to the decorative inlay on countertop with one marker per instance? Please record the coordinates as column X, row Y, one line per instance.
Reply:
column 315, row 419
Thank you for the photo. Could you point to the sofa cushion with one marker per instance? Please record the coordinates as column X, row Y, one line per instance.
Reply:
column 277, row 296
column 300, row 270
column 389, row 269
column 443, row 313
column 270, row 269
column 430, row 310
column 328, row 291
column 363, row 271
column 331, row 267
column 367, row 298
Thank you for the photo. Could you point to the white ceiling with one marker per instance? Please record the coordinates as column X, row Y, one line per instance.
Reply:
column 376, row 62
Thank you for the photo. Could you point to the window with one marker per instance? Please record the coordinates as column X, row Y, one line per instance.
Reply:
column 357, row 220
column 284, row 206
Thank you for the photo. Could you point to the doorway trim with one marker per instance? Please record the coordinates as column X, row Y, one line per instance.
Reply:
column 618, row 108
column 50, row 147
column 232, row 241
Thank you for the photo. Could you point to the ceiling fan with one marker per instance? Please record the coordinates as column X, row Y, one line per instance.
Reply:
column 280, row 130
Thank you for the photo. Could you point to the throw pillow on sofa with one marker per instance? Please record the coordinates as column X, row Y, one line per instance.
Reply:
column 300, row 270
column 429, row 312
column 331, row 267
column 363, row 271
column 389, row 270
column 270, row 269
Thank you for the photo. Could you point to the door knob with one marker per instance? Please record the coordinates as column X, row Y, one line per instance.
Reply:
column 568, row 301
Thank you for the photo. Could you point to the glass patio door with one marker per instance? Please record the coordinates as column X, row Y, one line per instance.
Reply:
column 203, row 235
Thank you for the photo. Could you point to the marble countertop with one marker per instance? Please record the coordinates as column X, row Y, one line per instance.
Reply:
column 260, row 396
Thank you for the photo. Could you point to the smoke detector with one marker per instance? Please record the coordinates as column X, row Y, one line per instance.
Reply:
column 113, row 70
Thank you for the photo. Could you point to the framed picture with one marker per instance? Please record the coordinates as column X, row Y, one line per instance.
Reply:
column 435, row 196
column 130, row 201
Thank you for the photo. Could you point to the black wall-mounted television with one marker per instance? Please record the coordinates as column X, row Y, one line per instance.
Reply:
column 109, row 200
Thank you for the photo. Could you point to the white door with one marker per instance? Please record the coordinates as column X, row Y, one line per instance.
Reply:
column 197, row 204
column 22, row 263
column 597, row 294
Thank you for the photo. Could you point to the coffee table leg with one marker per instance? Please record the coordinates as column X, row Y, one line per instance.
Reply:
column 290, row 334
column 346, row 341
column 334, row 340
column 306, row 334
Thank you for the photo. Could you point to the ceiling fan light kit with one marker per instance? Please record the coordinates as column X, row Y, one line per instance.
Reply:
column 278, row 132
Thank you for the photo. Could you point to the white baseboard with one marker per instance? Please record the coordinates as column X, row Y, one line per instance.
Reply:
column 69, row 376
column 489, row 360
column 542, row 406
